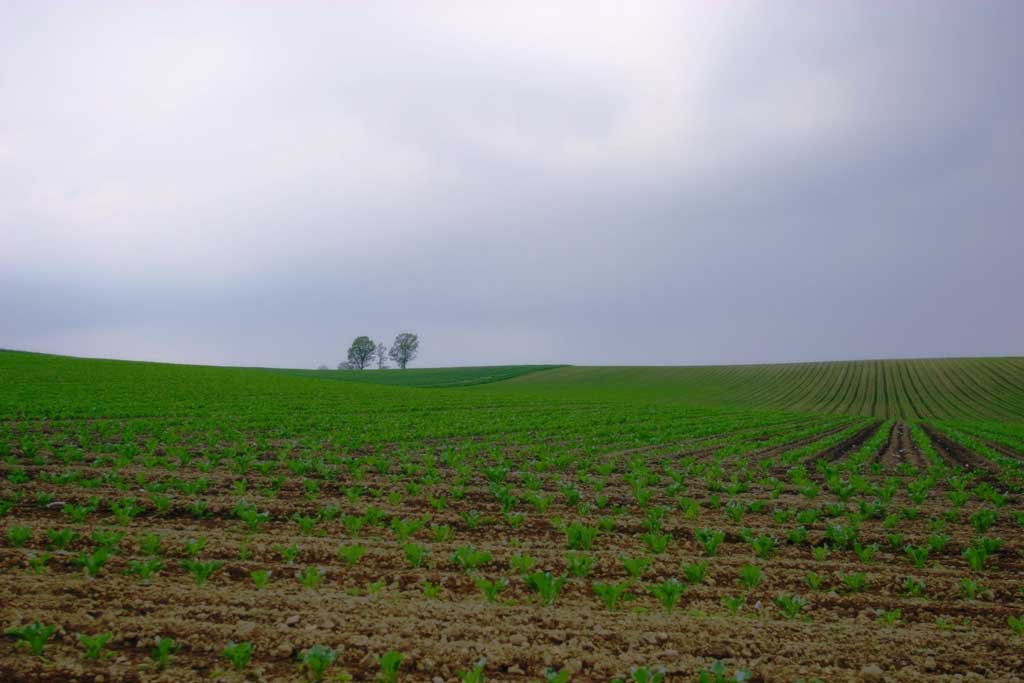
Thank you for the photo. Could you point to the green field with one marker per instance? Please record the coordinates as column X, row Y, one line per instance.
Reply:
column 426, row 377
column 673, row 510
column 975, row 388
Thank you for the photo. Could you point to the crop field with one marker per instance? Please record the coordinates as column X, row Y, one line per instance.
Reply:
column 187, row 523
column 428, row 377
column 975, row 388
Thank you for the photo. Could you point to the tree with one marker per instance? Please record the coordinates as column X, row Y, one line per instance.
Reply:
column 321, row 367
column 404, row 349
column 361, row 352
column 382, row 355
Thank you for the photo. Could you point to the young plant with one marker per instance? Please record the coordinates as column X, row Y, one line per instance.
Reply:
column 717, row 674
column 522, row 563
column 547, row 586
column 389, row 663
column 474, row 675
column 763, row 546
column 311, row 577
column 94, row 644
column 890, row 617
column 579, row 536
column 695, row 572
column 289, row 553
column 33, row 636
column 38, row 562
column 790, row 605
column 709, row 539
column 144, row 569
column 918, row 554
column 468, row 558
column 201, row 571
column 316, row 660
column 579, row 564
column 238, row 654
column 194, row 546
column 734, row 603
column 350, row 554
column 970, row 588
column 814, row 581
column 60, row 539
column 416, row 554
column 19, row 535
column 750, row 576
column 165, row 648
column 491, row 589
column 635, row 566
column 645, row 674
column 976, row 557
column 668, row 593
column 855, row 582
column 93, row 563
column 260, row 577
column 913, row 587
column 610, row 593
column 656, row 543
column 151, row 544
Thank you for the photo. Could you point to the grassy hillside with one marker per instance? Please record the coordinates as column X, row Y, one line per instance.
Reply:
column 986, row 388
column 426, row 377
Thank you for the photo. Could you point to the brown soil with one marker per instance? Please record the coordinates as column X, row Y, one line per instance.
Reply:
column 839, row 635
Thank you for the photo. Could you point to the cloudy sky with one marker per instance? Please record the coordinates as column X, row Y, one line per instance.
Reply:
column 620, row 183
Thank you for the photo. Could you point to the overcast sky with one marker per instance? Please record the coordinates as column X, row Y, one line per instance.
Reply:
column 580, row 182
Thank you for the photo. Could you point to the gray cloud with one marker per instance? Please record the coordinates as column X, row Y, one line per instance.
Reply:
column 257, row 184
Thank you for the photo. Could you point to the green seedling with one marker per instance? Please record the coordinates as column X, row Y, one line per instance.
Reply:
column 239, row 654
column 668, row 593
column 144, row 569
column 611, row 593
column 201, row 571
column 491, row 589
column 718, row 674
column 260, row 577
column 579, row 564
column 476, row 674
column 389, row 663
column 416, row 554
column 468, row 558
column 33, row 636
column 93, row 562
column 60, row 539
column 194, row 546
column 855, row 582
column 790, row 605
column 750, row 576
column 709, row 539
column 351, row 554
column 94, row 645
column 580, row 537
column 656, row 543
column 317, row 660
column 522, row 563
column 635, row 566
column 547, row 586
column 734, row 603
column 18, row 536
column 289, row 553
column 311, row 577
column 695, row 572
column 164, row 650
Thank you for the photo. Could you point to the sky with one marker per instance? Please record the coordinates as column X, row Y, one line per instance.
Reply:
column 659, row 183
